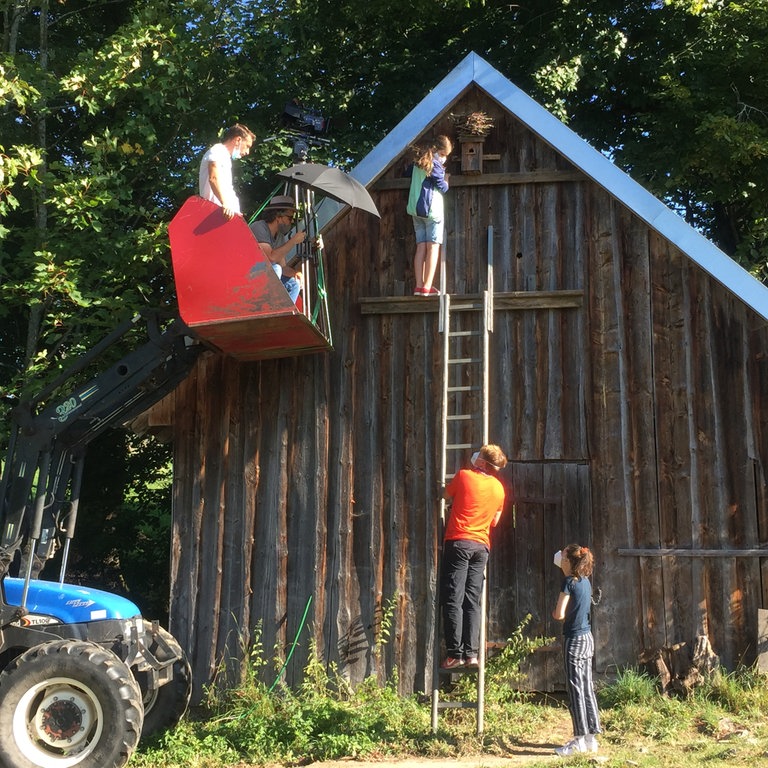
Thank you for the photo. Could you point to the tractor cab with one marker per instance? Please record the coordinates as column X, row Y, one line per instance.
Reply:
column 230, row 296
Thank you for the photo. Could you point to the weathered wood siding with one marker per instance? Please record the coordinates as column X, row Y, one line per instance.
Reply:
column 634, row 416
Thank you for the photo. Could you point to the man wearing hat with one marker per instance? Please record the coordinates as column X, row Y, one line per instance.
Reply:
column 270, row 230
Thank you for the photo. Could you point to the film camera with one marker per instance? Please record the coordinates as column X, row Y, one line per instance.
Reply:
column 308, row 126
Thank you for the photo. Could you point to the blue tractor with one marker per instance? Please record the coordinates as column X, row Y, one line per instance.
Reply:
column 82, row 674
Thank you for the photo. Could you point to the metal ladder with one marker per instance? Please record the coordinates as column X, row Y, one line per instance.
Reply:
column 465, row 326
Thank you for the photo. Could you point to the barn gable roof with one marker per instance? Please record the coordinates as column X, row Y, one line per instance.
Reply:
column 475, row 70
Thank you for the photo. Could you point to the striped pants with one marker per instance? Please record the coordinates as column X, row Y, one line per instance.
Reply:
column 578, row 654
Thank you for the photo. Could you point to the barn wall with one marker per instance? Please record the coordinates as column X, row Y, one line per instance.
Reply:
column 634, row 418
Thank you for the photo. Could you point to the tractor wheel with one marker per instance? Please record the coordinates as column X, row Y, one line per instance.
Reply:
column 68, row 703
column 165, row 705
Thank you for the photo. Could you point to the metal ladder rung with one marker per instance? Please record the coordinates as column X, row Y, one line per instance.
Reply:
column 465, row 388
column 458, row 446
column 462, row 417
column 452, row 334
column 463, row 360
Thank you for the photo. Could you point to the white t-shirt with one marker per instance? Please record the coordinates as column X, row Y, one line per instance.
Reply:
column 218, row 154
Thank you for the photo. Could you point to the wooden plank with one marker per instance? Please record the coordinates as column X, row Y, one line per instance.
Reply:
column 235, row 528
column 307, row 450
column 711, row 495
column 607, row 403
column 676, row 552
column 185, row 527
column 489, row 179
column 641, row 449
column 212, row 434
column 517, row 300
column 742, row 579
column 670, row 306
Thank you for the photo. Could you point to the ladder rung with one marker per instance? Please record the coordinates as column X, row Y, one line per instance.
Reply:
column 458, row 360
column 464, row 333
column 464, row 388
column 458, row 446
column 465, row 305
column 463, row 417
column 456, row 704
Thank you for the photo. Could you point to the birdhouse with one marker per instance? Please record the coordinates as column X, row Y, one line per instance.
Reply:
column 471, row 131
column 472, row 155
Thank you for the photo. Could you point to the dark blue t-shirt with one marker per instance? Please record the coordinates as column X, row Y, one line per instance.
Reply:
column 578, row 607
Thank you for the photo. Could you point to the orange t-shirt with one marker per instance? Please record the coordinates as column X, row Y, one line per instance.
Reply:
column 477, row 498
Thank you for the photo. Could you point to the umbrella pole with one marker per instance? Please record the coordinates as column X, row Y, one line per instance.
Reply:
column 322, row 294
column 308, row 204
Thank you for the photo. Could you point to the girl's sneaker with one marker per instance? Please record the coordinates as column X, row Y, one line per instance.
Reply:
column 573, row 747
column 590, row 743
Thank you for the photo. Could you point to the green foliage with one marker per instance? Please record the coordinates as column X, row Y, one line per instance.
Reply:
column 324, row 719
column 723, row 706
column 630, row 687
column 743, row 691
column 503, row 673
column 124, row 522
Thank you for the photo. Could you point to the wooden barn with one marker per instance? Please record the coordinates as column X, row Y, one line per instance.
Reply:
column 628, row 386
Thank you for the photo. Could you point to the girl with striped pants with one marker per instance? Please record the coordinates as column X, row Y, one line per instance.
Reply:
column 573, row 609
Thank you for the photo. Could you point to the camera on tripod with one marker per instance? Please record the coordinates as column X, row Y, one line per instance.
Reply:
column 308, row 127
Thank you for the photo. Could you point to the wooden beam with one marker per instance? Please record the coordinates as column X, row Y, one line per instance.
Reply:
column 490, row 179
column 516, row 300
column 758, row 552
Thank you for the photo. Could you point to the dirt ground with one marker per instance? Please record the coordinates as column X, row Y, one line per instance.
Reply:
column 515, row 754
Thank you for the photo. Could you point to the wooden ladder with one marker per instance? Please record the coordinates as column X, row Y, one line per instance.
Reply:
column 465, row 325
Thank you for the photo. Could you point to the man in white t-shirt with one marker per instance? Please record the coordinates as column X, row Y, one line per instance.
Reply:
column 215, row 179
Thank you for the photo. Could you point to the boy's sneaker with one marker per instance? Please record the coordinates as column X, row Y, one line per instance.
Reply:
column 451, row 663
column 590, row 743
column 471, row 661
column 573, row 747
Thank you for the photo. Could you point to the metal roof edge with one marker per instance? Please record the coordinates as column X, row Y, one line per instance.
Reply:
column 625, row 189
column 414, row 123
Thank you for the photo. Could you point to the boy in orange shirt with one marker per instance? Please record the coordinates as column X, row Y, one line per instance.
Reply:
column 478, row 500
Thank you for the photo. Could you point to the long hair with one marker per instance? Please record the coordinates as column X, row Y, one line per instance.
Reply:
column 581, row 560
column 423, row 155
